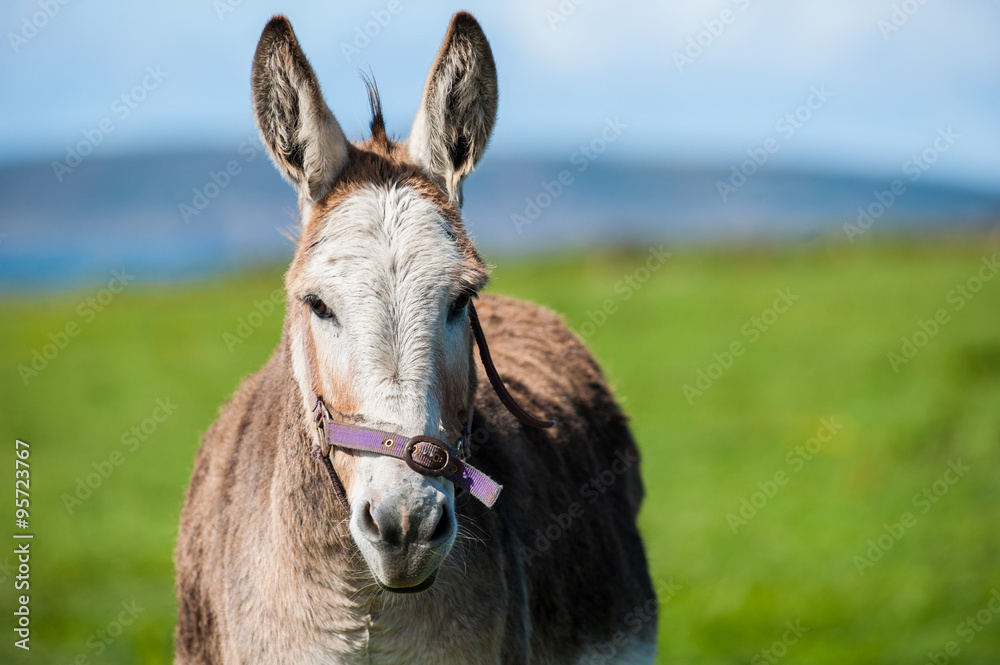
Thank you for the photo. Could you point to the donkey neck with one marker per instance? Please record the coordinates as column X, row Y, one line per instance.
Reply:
column 316, row 579
column 310, row 574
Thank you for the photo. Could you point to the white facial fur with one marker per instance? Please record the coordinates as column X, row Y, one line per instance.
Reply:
column 387, row 268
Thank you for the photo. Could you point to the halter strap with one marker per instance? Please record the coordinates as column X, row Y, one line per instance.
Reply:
column 498, row 387
column 424, row 454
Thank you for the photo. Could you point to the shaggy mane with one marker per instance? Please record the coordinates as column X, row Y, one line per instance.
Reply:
column 379, row 139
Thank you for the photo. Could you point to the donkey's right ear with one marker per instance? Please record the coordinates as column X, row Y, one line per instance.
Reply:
column 303, row 138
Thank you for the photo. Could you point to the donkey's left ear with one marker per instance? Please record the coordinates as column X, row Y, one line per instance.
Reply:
column 459, row 107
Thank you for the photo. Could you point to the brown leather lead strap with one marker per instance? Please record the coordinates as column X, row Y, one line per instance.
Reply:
column 338, row 487
column 495, row 380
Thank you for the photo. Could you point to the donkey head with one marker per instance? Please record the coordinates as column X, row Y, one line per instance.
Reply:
column 380, row 283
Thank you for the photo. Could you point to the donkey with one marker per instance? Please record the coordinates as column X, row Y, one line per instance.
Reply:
column 346, row 506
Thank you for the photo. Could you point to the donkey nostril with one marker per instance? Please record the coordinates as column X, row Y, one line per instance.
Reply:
column 368, row 523
column 444, row 527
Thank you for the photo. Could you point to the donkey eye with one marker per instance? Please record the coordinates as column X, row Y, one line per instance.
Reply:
column 461, row 302
column 319, row 307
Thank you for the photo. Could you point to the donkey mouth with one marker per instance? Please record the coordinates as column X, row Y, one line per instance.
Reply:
column 423, row 586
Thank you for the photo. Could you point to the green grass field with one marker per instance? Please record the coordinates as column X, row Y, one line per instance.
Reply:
column 794, row 557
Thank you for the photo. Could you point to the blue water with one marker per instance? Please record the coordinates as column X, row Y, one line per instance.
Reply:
column 126, row 212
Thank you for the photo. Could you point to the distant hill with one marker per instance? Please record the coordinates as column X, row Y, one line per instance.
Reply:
column 175, row 217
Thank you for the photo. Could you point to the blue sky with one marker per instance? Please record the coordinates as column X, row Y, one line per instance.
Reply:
column 892, row 86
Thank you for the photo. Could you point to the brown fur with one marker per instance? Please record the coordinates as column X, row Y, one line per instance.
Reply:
column 385, row 161
column 254, row 486
column 267, row 570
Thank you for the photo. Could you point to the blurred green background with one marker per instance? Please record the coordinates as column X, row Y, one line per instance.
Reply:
column 748, row 532
column 794, row 560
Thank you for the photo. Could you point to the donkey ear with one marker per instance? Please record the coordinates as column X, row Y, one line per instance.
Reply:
column 303, row 138
column 459, row 107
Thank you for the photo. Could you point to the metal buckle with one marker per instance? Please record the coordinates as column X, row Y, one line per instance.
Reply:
column 444, row 465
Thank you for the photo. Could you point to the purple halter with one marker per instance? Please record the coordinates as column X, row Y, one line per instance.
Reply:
column 424, row 454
